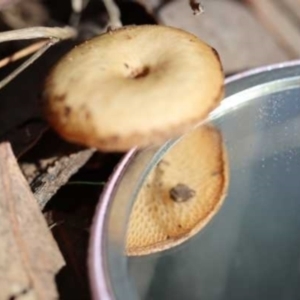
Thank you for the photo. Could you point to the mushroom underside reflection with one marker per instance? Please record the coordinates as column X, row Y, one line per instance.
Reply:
column 181, row 194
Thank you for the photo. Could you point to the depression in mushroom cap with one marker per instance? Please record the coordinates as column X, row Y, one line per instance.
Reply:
column 133, row 87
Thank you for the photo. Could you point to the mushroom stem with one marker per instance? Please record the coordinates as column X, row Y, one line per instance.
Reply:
column 113, row 13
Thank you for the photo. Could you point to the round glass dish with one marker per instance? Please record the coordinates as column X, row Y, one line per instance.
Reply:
column 251, row 248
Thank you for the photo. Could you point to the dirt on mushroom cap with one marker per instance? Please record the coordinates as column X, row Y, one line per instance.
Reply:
column 135, row 86
column 199, row 166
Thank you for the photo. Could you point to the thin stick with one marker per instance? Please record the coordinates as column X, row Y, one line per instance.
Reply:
column 27, row 63
column 22, row 53
column 55, row 35
column 38, row 32
column 85, row 183
column 113, row 13
column 55, row 224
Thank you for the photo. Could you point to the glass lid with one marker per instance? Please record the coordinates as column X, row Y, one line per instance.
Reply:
column 213, row 215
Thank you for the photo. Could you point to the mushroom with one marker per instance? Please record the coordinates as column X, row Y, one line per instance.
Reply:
column 181, row 194
column 133, row 87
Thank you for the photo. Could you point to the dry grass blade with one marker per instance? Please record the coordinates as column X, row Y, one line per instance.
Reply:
column 29, row 257
column 53, row 34
column 22, row 53
column 27, row 63
column 38, row 33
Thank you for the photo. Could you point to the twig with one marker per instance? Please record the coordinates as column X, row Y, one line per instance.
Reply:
column 85, row 183
column 55, row 35
column 27, row 63
column 22, row 53
column 38, row 32
column 51, row 226
column 113, row 13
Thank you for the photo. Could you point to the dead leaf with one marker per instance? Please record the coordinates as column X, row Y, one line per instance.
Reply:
column 6, row 3
column 24, row 14
column 29, row 257
column 49, row 165
column 231, row 29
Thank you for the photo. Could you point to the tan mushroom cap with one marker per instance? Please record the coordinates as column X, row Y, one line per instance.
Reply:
column 181, row 195
column 135, row 86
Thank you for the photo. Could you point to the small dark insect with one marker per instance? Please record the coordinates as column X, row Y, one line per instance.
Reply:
column 181, row 193
column 197, row 7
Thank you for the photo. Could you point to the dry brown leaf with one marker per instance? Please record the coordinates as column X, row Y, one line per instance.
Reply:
column 29, row 257
column 7, row 3
column 24, row 13
column 230, row 28
column 50, row 164
column 281, row 18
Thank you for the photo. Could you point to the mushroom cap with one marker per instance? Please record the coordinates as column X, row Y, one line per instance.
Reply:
column 133, row 87
column 181, row 195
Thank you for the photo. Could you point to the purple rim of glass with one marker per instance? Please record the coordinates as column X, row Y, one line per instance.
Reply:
column 99, row 280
